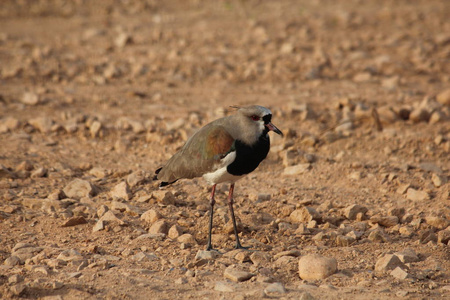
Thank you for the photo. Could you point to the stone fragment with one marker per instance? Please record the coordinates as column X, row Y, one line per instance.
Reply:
column 351, row 212
column 316, row 267
column 304, row 215
column 438, row 222
column 163, row 197
column 399, row 273
column 415, row 195
column 175, row 231
column 122, row 40
column 443, row 237
column 438, row 180
column 386, row 221
column 151, row 216
column 407, row 256
column 109, row 216
column 121, row 191
column 135, row 179
column 402, row 188
column 142, row 256
column 124, row 207
column 187, row 239
column 344, row 241
column 9, row 124
column 297, row 169
column 444, row 97
column 223, row 286
column 39, row 172
column 260, row 258
column 377, row 236
column 95, row 128
column 16, row 278
column 30, row 98
column 43, row 124
column 98, row 172
column 74, row 221
column 18, row 289
column 79, row 188
column 12, row 261
column 388, row 262
column 237, row 275
column 293, row 252
column 160, row 226
column 419, row 115
column 70, row 255
column 275, row 288
column 208, row 255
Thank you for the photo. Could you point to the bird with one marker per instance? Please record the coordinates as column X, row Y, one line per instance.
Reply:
column 223, row 151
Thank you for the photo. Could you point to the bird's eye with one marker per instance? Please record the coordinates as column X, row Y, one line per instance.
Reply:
column 255, row 118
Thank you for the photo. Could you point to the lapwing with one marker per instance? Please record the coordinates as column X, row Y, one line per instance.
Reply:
column 223, row 151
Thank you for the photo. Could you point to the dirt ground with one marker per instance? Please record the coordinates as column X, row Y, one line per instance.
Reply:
column 96, row 95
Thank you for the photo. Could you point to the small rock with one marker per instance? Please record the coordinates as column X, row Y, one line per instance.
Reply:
column 142, row 256
column 438, row 222
column 30, row 98
column 95, row 128
column 17, row 289
column 407, row 256
column 386, row 221
column 160, row 226
column 304, row 215
column 260, row 258
column 70, row 255
column 443, row 237
column 377, row 236
column 174, row 232
column 444, row 97
column 223, row 286
column 122, row 40
column 399, row 273
column 306, row 296
column 294, row 253
column 135, row 179
column 163, row 197
column 207, row 255
column 122, row 191
column 39, row 172
column 98, row 172
column 187, row 239
column 388, row 262
column 124, row 207
column 16, row 278
column 275, row 288
column 151, row 216
column 43, row 124
column 102, row 209
column 344, row 241
column 12, row 261
column 109, row 216
column 237, row 275
column 438, row 180
column 74, row 221
column 315, row 267
column 352, row 211
column 402, row 188
column 297, row 169
column 416, row 195
column 79, row 188
column 419, row 115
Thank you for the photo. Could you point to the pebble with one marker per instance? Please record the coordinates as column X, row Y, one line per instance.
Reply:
column 438, row 180
column 95, row 128
column 109, row 216
column 121, row 191
column 275, row 288
column 18, row 289
column 135, row 179
column 160, row 226
column 43, row 124
column 377, row 236
column 39, row 172
column 142, row 256
column 297, row 169
column 8, row 124
column 151, row 216
column 399, row 273
column 415, row 195
column 208, row 255
column 304, row 215
column 444, row 97
column 16, row 278
column 188, row 239
column 122, row 40
column 419, row 115
column 402, row 188
column 260, row 258
column 98, row 172
column 70, row 255
column 164, row 197
column 174, row 232
column 294, row 253
column 386, row 221
column 388, row 262
column 223, row 286
column 443, row 237
column 100, row 225
column 352, row 211
column 12, row 261
column 237, row 275
column 30, row 98
column 79, row 188
column 316, row 267
column 124, row 207
column 438, row 222
column 74, row 221
column 407, row 256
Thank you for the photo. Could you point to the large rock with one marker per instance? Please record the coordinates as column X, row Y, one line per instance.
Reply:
column 79, row 188
column 315, row 267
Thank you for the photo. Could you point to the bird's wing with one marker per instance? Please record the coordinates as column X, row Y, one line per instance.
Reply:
column 201, row 154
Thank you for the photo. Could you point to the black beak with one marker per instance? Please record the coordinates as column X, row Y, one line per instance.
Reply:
column 273, row 128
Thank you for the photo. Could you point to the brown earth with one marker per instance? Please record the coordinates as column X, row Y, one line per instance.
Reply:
column 107, row 91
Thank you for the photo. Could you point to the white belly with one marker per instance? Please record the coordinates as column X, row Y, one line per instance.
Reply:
column 220, row 175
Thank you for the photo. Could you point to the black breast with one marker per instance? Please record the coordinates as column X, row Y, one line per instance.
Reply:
column 249, row 157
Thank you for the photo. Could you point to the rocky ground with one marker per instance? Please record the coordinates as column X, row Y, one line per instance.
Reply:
column 353, row 203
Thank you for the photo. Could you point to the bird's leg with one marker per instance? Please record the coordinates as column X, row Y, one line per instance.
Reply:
column 212, row 201
column 230, row 205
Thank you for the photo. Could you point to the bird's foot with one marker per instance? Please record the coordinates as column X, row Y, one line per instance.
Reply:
column 239, row 246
